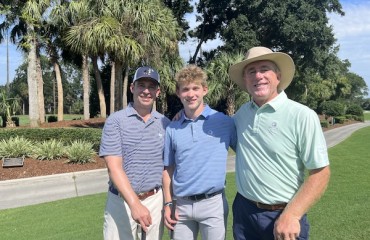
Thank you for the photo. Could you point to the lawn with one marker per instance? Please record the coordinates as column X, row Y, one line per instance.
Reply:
column 367, row 116
column 24, row 119
column 342, row 213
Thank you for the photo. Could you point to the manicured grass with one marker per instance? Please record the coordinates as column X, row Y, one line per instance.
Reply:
column 342, row 213
column 367, row 116
column 75, row 218
column 24, row 119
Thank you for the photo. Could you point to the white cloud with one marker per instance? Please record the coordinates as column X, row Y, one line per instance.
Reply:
column 355, row 22
column 353, row 34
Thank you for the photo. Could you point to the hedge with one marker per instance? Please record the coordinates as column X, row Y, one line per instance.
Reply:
column 324, row 123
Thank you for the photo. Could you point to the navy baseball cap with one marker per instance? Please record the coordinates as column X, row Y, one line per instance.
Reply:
column 146, row 72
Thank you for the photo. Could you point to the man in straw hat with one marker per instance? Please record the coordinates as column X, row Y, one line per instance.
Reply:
column 277, row 140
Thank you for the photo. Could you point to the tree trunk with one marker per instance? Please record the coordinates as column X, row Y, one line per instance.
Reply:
column 32, row 81
column 201, row 40
column 103, row 110
column 119, row 87
column 154, row 108
column 125, row 86
column 164, row 105
column 230, row 103
column 86, row 87
column 40, row 89
column 112, row 87
column 60, row 90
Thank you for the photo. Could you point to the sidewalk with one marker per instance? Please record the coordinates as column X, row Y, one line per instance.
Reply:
column 29, row 191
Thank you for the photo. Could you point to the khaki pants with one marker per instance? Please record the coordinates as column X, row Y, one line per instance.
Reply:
column 119, row 225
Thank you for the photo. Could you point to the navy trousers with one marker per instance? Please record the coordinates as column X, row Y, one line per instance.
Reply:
column 252, row 223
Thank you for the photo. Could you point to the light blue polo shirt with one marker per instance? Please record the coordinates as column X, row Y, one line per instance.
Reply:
column 139, row 143
column 198, row 149
column 276, row 142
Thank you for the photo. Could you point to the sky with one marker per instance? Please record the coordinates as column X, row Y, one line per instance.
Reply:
column 352, row 32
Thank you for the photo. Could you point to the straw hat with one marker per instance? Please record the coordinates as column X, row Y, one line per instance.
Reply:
column 283, row 61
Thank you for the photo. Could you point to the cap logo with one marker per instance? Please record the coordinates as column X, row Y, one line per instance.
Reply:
column 148, row 71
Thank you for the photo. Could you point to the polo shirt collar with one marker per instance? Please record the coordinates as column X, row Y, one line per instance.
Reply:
column 205, row 114
column 131, row 111
column 275, row 103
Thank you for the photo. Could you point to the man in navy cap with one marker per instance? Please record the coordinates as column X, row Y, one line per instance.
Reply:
column 132, row 147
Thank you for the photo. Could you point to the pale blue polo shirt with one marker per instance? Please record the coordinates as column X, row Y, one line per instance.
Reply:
column 276, row 142
column 140, row 144
column 198, row 149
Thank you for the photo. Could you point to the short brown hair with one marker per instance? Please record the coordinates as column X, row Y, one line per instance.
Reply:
column 191, row 74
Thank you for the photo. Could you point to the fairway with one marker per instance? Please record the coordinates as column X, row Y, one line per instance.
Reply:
column 342, row 213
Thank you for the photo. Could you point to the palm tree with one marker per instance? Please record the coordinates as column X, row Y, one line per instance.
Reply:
column 158, row 33
column 81, row 38
column 25, row 19
column 129, row 31
column 54, row 45
column 32, row 15
column 169, row 67
column 40, row 87
column 66, row 15
column 8, row 107
column 220, row 86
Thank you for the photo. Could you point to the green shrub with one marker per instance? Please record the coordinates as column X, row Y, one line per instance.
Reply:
column 15, row 120
column 49, row 150
column 65, row 135
column 52, row 118
column 80, row 152
column 355, row 109
column 359, row 118
column 340, row 119
column 333, row 108
column 324, row 123
column 15, row 147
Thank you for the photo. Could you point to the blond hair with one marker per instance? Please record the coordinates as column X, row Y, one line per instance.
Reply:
column 191, row 74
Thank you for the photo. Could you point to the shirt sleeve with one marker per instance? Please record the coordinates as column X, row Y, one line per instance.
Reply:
column 169, row 152
column 111, row 140
column 234, row 138
column 313, row 149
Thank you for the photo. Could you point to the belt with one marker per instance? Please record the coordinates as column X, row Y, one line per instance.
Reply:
column 141, row 195
column 269, row 207
column 202, row 196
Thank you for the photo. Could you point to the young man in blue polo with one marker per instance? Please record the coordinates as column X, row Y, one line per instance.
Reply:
column 196, row 148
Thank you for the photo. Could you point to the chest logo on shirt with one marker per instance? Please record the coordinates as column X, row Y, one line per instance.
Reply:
column 210, row 133
column 160, row 135
column 274, row 128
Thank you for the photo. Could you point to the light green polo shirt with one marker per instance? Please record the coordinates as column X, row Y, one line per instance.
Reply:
column 276, row 142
